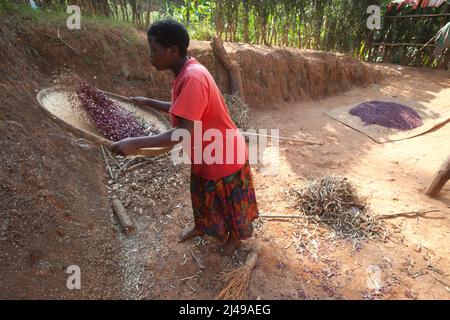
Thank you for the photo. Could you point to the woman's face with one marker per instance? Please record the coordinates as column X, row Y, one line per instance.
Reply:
column 160, row 57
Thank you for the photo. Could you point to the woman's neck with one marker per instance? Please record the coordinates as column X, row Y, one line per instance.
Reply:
column 179, row 65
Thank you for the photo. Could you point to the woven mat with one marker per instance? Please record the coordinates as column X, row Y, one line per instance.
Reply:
column 432, row 114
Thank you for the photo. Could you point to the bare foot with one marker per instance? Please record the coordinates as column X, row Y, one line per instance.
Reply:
column 231, row 246
column 189, row 233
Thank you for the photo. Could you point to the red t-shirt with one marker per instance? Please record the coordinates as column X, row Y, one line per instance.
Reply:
column 196, row 97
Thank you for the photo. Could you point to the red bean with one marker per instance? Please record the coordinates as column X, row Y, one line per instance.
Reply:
column 387, row 114
column 113, row 121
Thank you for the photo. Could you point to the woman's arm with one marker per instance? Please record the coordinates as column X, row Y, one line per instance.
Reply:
column 130, row 145
column 157, row 104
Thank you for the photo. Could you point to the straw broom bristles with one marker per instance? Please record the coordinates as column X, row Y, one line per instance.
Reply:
column 238, row 280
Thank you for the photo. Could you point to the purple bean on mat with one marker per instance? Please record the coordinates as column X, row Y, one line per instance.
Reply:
column 387, row 114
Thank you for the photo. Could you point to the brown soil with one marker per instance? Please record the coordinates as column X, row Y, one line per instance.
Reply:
column 393, row 175
column 55, row 209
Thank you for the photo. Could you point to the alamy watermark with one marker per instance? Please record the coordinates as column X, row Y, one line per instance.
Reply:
column 213, row 146
column 374, row 19
column 74, row 20
column 374, row 278
column 74, row 280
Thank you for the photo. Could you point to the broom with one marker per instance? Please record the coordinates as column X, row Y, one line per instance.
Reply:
column 238, row 280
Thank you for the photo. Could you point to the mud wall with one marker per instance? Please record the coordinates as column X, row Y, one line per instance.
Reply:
column 274, row 75
column 114, row 61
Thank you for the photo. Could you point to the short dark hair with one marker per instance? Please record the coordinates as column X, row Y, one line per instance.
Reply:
column 169, row 32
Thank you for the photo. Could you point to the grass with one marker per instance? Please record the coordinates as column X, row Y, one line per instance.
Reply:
column 26, row 12
column 111, row 34
column 21, row 14
column 58, row 17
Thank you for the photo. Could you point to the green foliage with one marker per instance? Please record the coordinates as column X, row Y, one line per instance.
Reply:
column 201, row 31
column 7, row 7
column 328, row 25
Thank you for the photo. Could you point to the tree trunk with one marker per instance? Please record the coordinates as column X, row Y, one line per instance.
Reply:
column 274, row 30
column 439, row 180
column 233, row 68
column 246, row 21
column 219, row 19
column 122, row 9
column 264, row 33
column 147, row 18
column 115, row 10
column 445, row 60
column 188, row 12
column 126, row 11
column 256, row 28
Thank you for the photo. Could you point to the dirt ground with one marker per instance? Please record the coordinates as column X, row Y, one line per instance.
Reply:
column 393, row 175
column 55, row 210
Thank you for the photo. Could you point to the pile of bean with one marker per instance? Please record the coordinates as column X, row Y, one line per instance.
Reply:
column 113, row 121
column 387, row 114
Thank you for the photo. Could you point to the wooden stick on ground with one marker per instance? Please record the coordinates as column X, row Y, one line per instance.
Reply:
column 137, row 165
column 195, row 276
column 112, row 157
column 65, row 43
column 281, row 216
column 440, row 179
column 199, row 262
column 412, row 214
column 122, row 216
column 107, row 163
column 125, row 166
column 445, row 284
column 282, row 138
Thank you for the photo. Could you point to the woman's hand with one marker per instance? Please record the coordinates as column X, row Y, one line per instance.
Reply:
column 152, row 103
column 123, row 147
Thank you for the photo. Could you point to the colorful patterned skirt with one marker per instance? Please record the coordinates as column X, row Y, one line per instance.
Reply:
column 225, row 207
